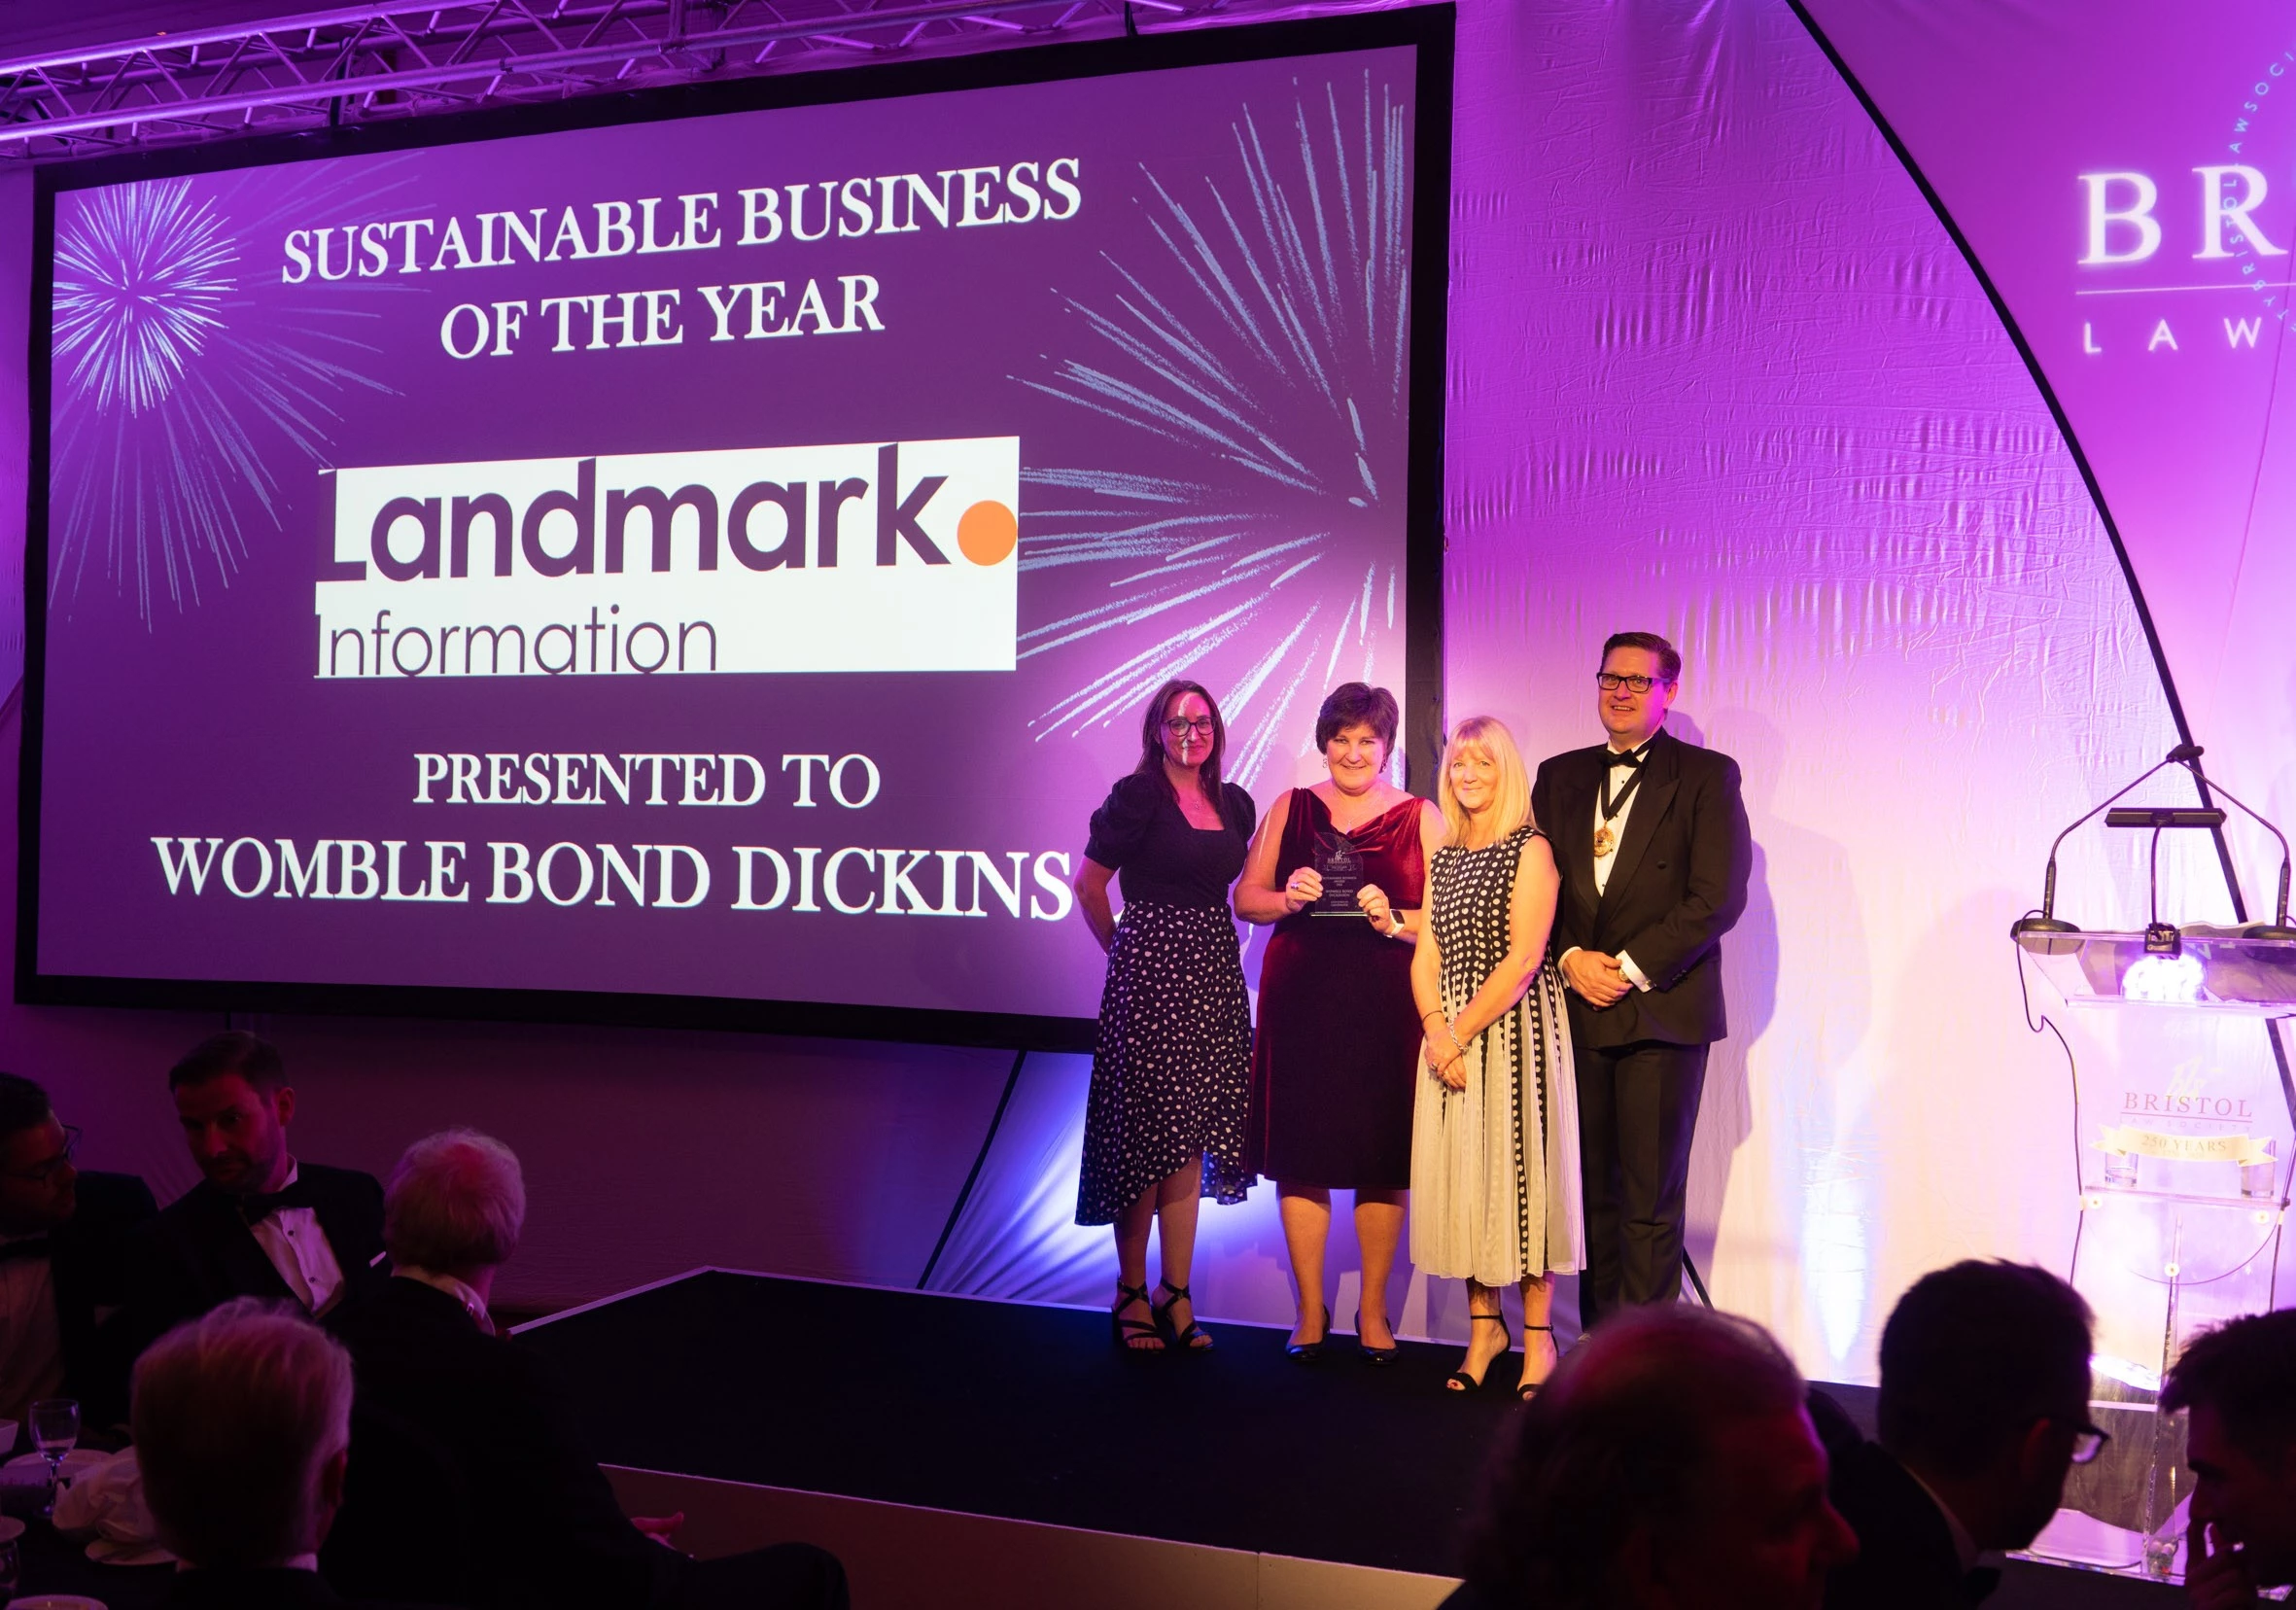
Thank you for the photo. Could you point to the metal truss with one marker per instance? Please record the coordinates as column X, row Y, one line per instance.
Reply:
column 393, row 59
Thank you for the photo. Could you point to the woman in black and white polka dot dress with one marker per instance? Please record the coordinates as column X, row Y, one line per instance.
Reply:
column 1172, row 1072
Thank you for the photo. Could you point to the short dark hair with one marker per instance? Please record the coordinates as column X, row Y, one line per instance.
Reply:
column 24, row 1105
column 1358, row 703
column 1669, row 660
column 1621, row 1440
column 1972, row 1356
column 2245, row 1370
column 257, row 1061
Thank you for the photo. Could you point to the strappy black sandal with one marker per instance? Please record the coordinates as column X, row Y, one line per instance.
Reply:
column 1123, row 1330
column 1307, row 1353
column 1195, row 1339
column 1460, row 1380
column 1529, row 1389
column 1371, row 1354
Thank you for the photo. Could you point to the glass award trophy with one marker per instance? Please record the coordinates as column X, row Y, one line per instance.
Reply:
column 1340, row 865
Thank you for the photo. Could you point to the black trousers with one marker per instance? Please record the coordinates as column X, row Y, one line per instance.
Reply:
column 1638, row 1109
column 788, row 1576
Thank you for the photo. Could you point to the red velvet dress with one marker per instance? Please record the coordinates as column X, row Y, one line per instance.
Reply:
column 1337, row 1049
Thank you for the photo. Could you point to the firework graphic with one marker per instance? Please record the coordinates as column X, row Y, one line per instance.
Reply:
column 1261, row 355
column 171, row 390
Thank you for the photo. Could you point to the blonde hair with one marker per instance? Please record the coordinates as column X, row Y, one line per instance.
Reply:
column 236, row 1414
column 1510, row 806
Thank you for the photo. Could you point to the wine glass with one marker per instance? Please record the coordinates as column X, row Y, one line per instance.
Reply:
column 54, row 1424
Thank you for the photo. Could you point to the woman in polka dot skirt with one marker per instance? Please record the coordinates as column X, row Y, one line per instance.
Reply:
column 1171, row 1073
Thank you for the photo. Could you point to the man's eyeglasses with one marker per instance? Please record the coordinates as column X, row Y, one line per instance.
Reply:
column 1611, row 682
column 41, row 1173
column 1179, row 726
column 2088, row 1442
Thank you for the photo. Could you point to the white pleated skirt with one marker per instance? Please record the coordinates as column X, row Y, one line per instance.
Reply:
column 1495, row 1181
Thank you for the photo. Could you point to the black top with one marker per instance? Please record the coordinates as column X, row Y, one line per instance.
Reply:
column 88, row 1253
column 1139, row 832
column 1906, row 1559
column 259, row 1590
column 495, row 1420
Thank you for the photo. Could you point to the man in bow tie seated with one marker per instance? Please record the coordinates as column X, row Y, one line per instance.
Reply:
column 485, row 1418
column 1984, row 1411
column 63, row 1264
column 242, row 1434
column 259, row 1223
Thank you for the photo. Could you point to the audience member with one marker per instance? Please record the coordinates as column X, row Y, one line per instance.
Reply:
column 1984, row 1408
column 242, row 1435
column 2238, row 1381
column 63, row 1264
column 259, row 1223
column 1668, row 1463
column 429, row 1360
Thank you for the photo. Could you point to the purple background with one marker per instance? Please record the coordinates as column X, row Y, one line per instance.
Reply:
column 217, row 727
column 1716, row 367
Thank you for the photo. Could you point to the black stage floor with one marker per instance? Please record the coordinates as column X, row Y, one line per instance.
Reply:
column 1028, row 1413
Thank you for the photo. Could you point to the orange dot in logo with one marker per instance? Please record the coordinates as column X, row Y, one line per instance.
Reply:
column 987, row 532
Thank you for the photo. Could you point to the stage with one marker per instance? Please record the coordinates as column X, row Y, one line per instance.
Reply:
column 959, row 1451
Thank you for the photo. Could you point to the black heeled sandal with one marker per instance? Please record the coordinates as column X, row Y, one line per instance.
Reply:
column 1529, row 1389
column 1195, row 1339
column 1460, row 1380
column 1123, row 1330
column 1307, row 1353
column 1371, row 1354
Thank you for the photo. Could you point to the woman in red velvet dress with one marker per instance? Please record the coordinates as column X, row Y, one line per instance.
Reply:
column 1336, row 1051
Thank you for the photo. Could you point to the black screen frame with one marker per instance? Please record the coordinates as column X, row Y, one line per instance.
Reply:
column 1430, row 28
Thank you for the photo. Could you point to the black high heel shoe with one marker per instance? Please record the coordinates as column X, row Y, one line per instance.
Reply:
column 1371, row 1354
column 1194, row 1339
column 1529, row 1389
column 1460, row 1380
column 1307, row 1353
column 1123, row 1330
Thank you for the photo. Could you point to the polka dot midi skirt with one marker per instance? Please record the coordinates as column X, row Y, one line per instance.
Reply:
column 1172, row 1072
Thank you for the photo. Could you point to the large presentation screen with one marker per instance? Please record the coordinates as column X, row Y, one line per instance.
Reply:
column 708, row 567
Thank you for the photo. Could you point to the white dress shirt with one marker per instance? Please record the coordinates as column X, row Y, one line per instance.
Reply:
column 290, row 1238
column 1617, row 827
column 31, row 1342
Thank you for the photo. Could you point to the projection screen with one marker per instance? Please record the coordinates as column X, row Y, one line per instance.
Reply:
column 702, row 560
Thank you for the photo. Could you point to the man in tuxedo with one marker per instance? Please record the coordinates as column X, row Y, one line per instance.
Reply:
column 1649, row 836
column 259, row 1223
column 1984, row 1411
column 242, row 1435
column 2239, row 1381
column 494, row 1421
column 63, row 1264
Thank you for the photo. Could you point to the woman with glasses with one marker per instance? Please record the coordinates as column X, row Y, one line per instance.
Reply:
column 1495, row 1133
column 1339, row 869
column 1164, row 1122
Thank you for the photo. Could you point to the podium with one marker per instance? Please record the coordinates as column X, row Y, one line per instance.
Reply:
column 2184, row 1137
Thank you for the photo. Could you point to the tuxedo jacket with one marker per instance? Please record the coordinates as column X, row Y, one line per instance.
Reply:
column 272, row 1590
column 1905, row 1555
column 503, row 1419
column 200, row 1253
column 88, row 1262
column 1677, row 885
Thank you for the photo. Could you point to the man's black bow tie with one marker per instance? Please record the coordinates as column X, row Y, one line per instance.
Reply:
column 31, row 1247
column 259, row 1206
column 1977, row 1587
column 1632, row 758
